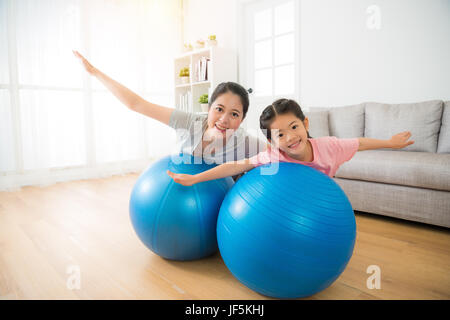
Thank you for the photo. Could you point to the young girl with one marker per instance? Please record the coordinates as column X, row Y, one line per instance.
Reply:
column 286, row 128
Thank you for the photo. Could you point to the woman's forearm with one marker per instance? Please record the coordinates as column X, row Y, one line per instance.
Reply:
column 134, row 101
column 125, row 95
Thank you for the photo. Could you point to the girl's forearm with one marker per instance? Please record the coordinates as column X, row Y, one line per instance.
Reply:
column 224, row 170
column 370, row 144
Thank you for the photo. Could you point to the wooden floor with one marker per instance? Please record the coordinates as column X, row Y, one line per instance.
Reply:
column 48, row 234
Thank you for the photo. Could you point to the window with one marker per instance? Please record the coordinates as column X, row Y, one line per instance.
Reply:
column 272, row 41
column 52, row 114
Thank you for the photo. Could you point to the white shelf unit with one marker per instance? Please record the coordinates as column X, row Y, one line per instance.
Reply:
column 222, row 68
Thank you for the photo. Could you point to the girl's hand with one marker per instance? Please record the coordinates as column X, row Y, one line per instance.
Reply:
column 89, row 67
column 184, row 179
column 400, row 140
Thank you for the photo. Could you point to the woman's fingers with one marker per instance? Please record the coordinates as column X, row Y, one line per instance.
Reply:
column 77, row 54
column 89, row 68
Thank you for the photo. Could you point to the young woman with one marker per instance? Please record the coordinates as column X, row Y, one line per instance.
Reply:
column 216, row 137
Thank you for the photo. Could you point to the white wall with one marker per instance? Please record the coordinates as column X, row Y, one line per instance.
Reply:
column 205, row 17
column 342, row 61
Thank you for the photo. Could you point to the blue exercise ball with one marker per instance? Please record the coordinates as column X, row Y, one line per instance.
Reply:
column 286, row 235
column 174, row 221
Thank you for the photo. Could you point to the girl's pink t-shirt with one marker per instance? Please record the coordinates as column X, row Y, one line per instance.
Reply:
column 329, row 153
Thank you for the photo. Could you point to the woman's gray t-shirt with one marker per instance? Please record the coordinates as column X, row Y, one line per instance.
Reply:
column 190, row 128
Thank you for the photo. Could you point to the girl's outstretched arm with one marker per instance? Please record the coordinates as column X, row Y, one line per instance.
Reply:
column 126, row 96
column 227, row 169
column 397, row 141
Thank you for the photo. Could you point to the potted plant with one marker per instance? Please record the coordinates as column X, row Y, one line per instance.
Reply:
column 204, row 102
column 212, row 40
column 199, row 44
column 184, row 75
column 187, row 47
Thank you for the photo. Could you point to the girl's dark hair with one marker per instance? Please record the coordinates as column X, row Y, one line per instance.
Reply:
column 280, row 106
column 235, row 88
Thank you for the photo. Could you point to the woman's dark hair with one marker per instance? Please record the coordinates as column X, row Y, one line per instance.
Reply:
column 280, row 106
column 235, row 88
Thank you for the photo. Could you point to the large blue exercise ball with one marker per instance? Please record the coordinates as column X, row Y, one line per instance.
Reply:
column 174, row 221
column 286, row 235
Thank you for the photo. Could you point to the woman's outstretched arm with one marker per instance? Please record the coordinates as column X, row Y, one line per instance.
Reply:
column 126, row 96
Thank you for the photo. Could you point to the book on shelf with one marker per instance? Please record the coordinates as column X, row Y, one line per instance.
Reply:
column 201, row 73
column 208, row 68
column 185, row 102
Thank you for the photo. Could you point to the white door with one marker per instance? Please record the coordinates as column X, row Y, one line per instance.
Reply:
column 268, row 53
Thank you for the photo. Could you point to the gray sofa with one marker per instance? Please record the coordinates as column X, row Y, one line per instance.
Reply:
column 411, row 183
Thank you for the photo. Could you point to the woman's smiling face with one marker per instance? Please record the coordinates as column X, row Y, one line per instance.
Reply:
column 225, row 115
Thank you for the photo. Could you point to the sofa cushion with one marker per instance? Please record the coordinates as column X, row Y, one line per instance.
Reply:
column 347, row 122
column 444, row 134
column 410, row 203
column 318, row 123
column 416, row 169
column 422, row 119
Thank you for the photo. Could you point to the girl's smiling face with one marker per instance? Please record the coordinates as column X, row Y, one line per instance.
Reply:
column 290, row 135
column 225, row 115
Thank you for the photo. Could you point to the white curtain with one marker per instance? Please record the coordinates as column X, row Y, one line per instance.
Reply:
column 56, row 122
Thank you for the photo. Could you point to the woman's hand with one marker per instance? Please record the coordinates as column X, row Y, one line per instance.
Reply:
column 126, row 96
column 400, row 140
column 184, row 179
column 89, row 67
